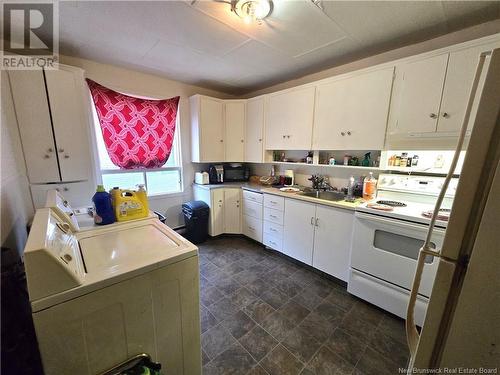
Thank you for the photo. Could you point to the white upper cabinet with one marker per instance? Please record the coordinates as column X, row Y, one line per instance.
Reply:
column 351, row 113
column 289, row 119
column 54, row 129
column 459, row 76
column 207, row 129
column 254, row 130
column 417, row 95
column 35, row 128
column 234, row 139
column 70, row 121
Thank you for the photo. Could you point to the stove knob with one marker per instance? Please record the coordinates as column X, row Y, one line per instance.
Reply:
column 392, row 182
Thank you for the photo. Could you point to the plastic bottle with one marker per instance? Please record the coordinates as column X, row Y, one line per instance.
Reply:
column 142, row 195
column 369, row 187
column 103, row 207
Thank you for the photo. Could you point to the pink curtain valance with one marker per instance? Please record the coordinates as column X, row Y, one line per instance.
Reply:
column 138, row 133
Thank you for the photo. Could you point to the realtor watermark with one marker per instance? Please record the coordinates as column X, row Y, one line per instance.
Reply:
column 450, row 370
column 30, row 35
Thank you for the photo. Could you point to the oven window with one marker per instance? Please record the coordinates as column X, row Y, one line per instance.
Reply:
column 401, row 245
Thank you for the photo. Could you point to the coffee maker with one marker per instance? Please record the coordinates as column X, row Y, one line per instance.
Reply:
column 289, row 177
column 216, row 174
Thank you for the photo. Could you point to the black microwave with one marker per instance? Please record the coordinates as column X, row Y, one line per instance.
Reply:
column 236, row 173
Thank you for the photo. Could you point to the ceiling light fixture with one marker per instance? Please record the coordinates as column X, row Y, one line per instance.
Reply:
column 251, row 11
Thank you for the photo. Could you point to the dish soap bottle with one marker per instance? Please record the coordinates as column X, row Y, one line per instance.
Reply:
column 143, row 197
column 103, row 207
column 369, row 187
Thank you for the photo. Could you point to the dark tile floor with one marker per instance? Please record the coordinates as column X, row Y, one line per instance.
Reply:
column 262, row 313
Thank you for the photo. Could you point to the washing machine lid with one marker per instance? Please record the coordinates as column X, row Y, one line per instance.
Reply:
column 129, row 247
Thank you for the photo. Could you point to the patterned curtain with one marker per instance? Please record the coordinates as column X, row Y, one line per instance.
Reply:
column 138, row 133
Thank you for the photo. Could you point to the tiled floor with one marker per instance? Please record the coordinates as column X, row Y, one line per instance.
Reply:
column 264, row 314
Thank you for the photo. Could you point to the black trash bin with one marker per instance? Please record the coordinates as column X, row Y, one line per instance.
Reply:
column 196, row 220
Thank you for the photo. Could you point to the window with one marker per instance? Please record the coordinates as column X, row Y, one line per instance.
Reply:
column 165, row 180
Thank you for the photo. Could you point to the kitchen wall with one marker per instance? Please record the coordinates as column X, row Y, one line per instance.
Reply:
column 16, row 205
column 142, row 84
column 338, row 177
column 352, row 63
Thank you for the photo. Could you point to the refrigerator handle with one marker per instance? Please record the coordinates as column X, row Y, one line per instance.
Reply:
column 412, row 334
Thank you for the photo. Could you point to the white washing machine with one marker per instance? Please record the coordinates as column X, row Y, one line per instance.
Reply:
column 102, row 296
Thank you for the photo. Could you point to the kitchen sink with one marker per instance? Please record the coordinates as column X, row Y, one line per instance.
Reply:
column 326, row 195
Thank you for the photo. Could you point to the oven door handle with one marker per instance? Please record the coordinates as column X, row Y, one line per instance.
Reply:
column 397, row 222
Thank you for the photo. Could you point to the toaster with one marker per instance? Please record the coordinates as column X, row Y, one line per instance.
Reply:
column 201, row 178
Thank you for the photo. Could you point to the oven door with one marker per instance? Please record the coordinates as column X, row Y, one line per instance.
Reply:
column 388, row 249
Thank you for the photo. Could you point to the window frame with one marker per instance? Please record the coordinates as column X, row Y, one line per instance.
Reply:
column 176, row 148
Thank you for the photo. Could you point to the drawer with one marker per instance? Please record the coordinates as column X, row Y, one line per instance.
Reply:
column 273, row 201
column 273, row 242
column 252, row 228
column 251, row 196
column 252, row 209
column 274, row 216
column 273, row 229
column 78, row 194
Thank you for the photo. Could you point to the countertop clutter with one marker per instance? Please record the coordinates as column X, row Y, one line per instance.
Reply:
column 257, row 188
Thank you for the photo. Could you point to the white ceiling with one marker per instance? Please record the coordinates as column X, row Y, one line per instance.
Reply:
column 203, row 43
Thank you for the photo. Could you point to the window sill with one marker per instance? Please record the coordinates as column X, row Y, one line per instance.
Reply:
column 166, row 195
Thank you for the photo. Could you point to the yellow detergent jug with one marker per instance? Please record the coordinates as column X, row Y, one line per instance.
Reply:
column 129, row 205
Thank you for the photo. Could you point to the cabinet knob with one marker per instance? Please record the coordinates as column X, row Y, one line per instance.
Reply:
column 66, row 156
column 221, row 140
column 50, row 149
column 65, row 188
column 446, row 115
column 348, row 133
column 284, row 136
column 61, row 150
column 342, row 134
column 432, row 115
column 312, row 220
column 46, row 156
column 288, row 136
column 242, row 141
column 260, row 139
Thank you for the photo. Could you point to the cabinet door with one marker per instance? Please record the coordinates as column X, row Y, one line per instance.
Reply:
column 332, row 241
column 78, row 194
column 211, row 122
column 234, row 130
column 298, row 233
column 35, row 128
column 417, row 96
column 70, row 121
column 351, row 113
column 217, row 212
column 254, row 130
column 232, row 211
column 459, row 76
column 289, row 119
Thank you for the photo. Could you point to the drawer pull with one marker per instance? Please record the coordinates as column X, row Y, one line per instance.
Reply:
column 251, row 228
column 273, row 216
column 272, row 230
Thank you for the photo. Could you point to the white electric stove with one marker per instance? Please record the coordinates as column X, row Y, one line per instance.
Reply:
column 388, row 233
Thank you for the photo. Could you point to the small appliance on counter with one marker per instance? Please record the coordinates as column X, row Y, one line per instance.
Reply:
column 201, row 178
column 216, row 174
column 236, row 173
column 289, row 177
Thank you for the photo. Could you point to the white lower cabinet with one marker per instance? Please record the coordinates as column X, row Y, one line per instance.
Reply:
column 78, row 194
column 274, row 207
column 252, row 227
column 332, row 241
column 319, row 236
column 298, row 235
column 216, row 225
column 232, row 211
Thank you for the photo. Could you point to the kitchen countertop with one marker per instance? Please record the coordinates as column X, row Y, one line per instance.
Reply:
column 275, row 191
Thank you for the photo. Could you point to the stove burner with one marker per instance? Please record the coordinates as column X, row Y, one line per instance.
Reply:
column 392, row 203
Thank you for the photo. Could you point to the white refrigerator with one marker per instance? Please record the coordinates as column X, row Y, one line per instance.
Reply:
column 462, row 325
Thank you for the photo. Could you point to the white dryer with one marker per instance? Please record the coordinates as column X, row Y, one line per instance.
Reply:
column 102, row 296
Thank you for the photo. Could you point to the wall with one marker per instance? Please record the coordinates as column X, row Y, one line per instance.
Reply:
column 16, row 206
column 142, row 84
column 471, row 33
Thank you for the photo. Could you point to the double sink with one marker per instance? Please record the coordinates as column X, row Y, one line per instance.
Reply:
column 333, row 196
